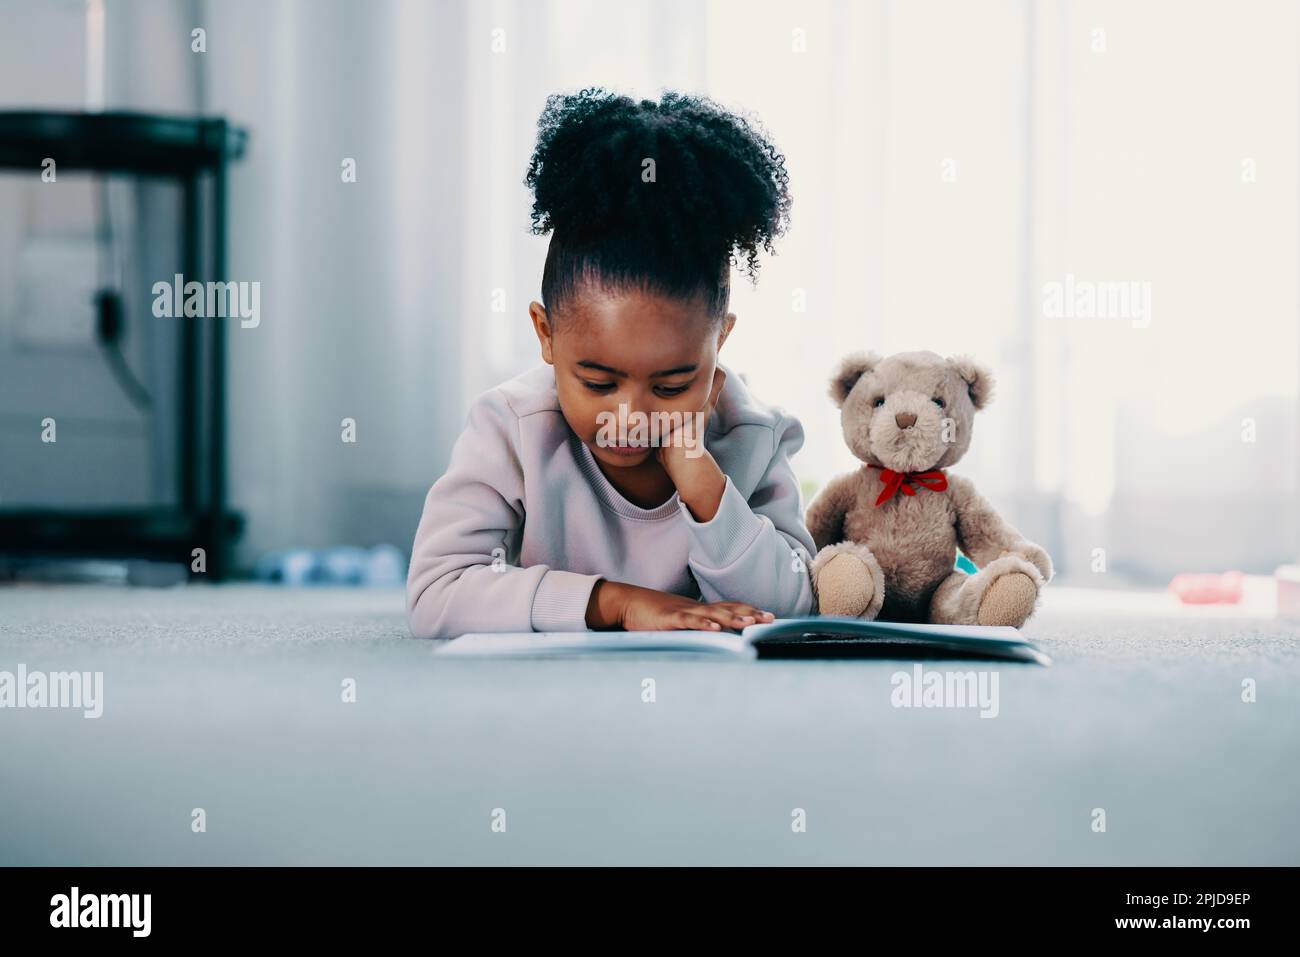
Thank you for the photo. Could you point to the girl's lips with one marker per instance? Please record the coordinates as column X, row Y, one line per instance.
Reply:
column 627, row 449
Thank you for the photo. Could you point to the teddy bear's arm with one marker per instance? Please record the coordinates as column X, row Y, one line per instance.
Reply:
column 825, row 516
column 983, row 535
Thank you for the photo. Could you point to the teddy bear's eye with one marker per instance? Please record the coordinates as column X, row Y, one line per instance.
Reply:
column 937, row 401
column 878, row 403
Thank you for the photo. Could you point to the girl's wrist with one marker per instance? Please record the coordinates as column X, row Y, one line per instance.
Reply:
column 706, row 497
column 605, row 606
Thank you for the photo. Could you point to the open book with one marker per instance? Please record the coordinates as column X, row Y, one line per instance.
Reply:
column 825, row 636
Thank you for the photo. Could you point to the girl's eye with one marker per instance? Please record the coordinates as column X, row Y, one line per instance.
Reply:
column 664, row 391
column 878, row 403
column 937, row 401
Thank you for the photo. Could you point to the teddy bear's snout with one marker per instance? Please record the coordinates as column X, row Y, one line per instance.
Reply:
column 906, row 434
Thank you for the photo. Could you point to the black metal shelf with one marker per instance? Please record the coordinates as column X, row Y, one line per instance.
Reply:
column 192, row 151
column 123, row 142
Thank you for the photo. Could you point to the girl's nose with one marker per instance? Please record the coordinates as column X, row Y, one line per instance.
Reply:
column 636, row 407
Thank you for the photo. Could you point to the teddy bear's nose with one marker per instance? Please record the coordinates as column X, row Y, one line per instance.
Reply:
column 905, row 420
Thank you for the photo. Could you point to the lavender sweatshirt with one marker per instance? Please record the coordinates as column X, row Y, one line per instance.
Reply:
column 521, row 526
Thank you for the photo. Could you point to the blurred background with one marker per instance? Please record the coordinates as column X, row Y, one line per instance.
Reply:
column 950, row 162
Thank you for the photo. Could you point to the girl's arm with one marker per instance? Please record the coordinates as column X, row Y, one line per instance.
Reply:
column 460, row 578
column 758, row 550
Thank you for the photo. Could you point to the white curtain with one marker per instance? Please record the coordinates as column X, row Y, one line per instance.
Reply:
column 948, row 161
column 363, row 283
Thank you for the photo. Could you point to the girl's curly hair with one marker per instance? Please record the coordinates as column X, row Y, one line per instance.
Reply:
column 719, row 192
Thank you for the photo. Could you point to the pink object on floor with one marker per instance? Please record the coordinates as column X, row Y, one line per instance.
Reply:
column 1208, row 589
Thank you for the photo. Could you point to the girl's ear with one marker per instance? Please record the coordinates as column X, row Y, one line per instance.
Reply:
column 542, row 326
column 978, row 379
column 852, row 368
column 728, row 321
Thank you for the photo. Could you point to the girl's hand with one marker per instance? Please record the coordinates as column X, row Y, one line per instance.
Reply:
column 700, row 483
column 633, row 608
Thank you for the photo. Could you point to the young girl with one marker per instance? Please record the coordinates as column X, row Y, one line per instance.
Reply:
column 553, row 517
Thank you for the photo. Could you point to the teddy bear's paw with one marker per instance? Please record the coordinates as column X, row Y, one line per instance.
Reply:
column 848, row 581
column 844, row 586
column 1009, row 600
column 1036, row 555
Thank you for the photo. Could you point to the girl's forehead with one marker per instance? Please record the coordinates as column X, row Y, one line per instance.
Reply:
column 614, row 312
column 638, row 333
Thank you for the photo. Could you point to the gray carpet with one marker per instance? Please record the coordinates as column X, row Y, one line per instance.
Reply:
column 228, row 699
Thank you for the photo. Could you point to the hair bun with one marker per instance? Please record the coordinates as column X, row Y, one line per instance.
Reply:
column 719, row 187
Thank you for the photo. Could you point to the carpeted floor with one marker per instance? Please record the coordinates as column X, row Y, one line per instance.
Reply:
column 229, row 699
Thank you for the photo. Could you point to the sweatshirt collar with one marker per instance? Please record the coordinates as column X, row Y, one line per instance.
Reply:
column 611, row 497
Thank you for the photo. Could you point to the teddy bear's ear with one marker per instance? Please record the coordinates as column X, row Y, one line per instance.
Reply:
column 851, row 369
column 978, row 378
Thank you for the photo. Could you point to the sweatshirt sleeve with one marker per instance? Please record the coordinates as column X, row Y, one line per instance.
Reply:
column 460, row 580
column 758, row 551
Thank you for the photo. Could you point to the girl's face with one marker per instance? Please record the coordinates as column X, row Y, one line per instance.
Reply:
column 649, row 353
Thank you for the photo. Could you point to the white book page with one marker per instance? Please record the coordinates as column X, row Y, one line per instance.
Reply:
column 555, row 644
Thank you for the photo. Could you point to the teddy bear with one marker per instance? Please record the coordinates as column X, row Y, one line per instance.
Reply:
column 887, row 534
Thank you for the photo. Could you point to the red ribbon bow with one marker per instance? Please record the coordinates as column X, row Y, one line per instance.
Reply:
column 934, row 480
